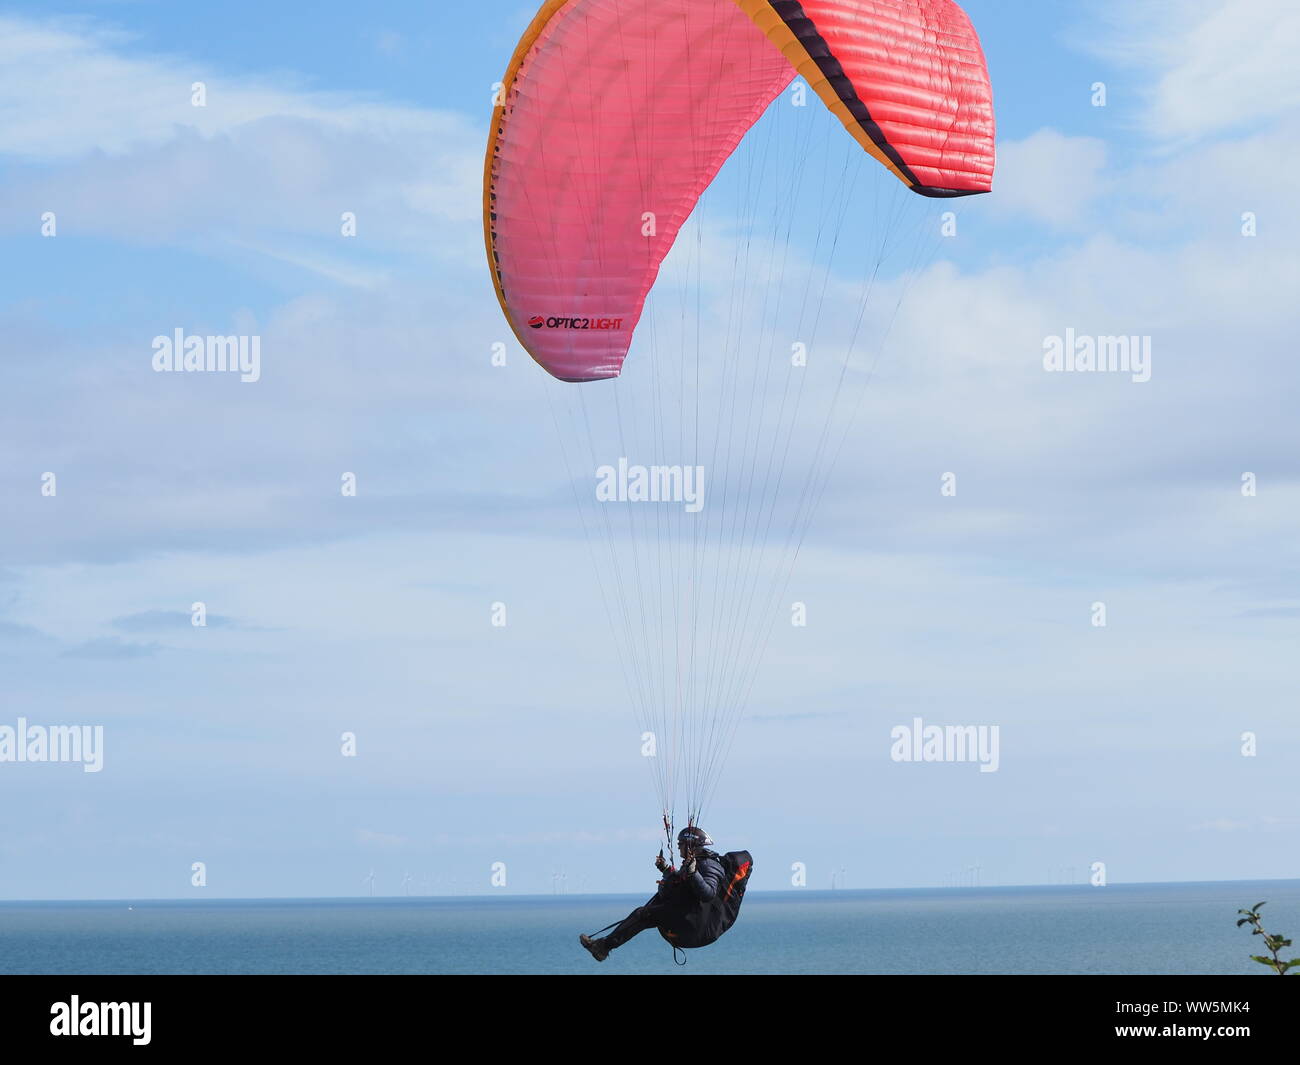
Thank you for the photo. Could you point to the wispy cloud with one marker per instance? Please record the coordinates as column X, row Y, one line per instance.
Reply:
column 176, row 621
column 1211, row 66
column 1271, row 612
column 112, row 647
column 369, row 837
column 1050, row 177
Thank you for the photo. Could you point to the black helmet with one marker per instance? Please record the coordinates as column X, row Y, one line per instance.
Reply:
column 694, row 836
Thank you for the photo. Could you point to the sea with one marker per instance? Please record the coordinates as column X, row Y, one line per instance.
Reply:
column 1184, row 928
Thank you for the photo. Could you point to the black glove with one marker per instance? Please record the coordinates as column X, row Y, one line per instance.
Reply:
column 688, row 866
column 661, row 864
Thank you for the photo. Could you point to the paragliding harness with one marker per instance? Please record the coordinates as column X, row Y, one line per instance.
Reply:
column 704, row 923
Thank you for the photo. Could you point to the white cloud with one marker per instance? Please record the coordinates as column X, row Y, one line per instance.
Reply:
column 266, row 167
column 381, row 839
column 1227, row 824
column 1050, row 177
column 48, row 114
column 1217, row 65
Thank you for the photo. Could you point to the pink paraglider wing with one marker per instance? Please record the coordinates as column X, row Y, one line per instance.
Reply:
column 615, row 116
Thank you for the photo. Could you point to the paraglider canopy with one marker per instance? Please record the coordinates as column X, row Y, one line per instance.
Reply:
column 614, row 117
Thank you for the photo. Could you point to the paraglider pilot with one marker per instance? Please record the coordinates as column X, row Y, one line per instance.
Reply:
column 682, row 896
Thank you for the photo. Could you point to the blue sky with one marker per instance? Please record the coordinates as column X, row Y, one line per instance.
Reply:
column 479, row 744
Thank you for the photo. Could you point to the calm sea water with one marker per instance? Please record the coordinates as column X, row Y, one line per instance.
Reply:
column 1126, row 928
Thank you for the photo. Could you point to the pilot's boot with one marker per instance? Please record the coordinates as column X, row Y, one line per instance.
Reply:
column 595, row 947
